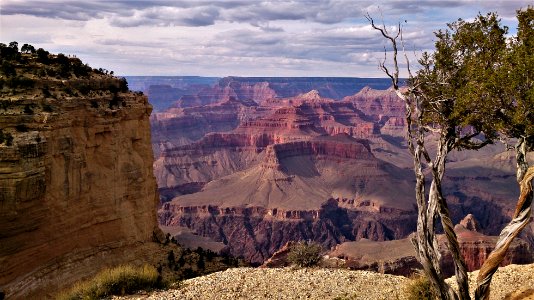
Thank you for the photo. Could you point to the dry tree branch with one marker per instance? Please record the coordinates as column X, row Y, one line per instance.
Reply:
column 520, row 219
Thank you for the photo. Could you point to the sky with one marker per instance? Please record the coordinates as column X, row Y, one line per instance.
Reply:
column 235, row 37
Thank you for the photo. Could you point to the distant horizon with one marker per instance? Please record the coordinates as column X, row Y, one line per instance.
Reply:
column 121, row 75
column 246, row 38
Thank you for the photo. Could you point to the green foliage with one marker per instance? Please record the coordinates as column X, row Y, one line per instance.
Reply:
column 21, row 128
column 123, row 85
column 42, row 55
column 171, row 259
column 420, row 288
column 28, row 109
column 26, row 48
column 477, row 79
column 305, row 254
column 20, row 81
column 6, row 138
column 47, row 107
column 10, row 52
column 116, row 281
column 518, row 106
column 8, row 69
column 460, row 79
column 14, row 45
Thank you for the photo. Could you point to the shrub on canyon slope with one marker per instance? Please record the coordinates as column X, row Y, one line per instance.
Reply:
column 305, row 254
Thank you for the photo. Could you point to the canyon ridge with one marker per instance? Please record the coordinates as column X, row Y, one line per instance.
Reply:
column 255, row 163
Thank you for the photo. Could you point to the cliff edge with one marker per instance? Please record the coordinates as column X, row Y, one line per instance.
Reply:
column 77, row 192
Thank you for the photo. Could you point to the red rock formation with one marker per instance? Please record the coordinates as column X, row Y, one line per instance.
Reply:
column 291, row 155
column 77, row 189
column 279, row 258
column 470, row 223
column 377, row 103
column 398, row 257
column 263, row 88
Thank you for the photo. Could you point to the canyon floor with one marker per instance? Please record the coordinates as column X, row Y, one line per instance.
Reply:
column 512, row 282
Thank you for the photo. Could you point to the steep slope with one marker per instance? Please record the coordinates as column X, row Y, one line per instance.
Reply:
column 77, row 189
column 308, row 167
column 303, row 169
column 474, row 246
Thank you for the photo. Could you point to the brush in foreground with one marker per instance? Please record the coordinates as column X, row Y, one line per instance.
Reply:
column 121, row 280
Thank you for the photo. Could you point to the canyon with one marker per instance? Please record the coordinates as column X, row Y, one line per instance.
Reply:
column 474, row 246
column 254, row 168
column 186, row 91
column 242, row 166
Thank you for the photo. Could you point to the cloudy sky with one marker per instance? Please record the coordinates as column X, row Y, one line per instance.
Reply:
column 233, row 37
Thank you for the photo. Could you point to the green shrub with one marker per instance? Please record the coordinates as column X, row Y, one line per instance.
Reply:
column 121, row 280
column 305, row 254
column 6, row 138
column 420, row 288
column 47, row 107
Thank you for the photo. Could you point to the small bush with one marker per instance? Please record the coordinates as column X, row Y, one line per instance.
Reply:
column 420, row 288
column 305, row 254
column 6, row 138
column 121, row 280
column 47, row 107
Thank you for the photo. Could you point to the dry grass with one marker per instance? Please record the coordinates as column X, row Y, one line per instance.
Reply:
column 419, row 288
column 121, row 280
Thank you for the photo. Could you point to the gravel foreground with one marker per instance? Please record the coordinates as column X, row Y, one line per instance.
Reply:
column 288, row 283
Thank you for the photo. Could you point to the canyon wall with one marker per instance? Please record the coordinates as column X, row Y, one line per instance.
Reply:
column 256, row 173
column 260, row 89
column 474, row 246
column 77, row 191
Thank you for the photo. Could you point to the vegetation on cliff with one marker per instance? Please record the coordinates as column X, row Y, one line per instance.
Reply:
column 31, row 81
column 473, row 89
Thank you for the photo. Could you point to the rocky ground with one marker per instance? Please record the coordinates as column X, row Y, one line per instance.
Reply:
column 511, row 282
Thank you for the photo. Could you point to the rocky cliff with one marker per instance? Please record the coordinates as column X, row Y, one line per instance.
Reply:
column 474, row 246
column 268, row 171
column 77, row 192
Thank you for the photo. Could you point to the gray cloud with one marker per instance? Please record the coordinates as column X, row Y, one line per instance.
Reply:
column 169, row 16
column 239, row 37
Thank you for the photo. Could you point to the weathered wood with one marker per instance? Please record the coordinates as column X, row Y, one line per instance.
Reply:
column 520, row 219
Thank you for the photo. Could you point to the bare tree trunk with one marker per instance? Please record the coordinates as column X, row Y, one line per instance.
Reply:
column 425, row 241
column 436, row 195
column 520, row 219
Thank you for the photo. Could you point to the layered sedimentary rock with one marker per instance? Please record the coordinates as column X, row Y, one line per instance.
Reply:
column 77, row 191
column 310, row 167
column 474, row 246
column 264, row 88
column 303, row 171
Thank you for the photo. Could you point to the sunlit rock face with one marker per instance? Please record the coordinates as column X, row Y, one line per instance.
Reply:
column 258, row 173
column 77, row 191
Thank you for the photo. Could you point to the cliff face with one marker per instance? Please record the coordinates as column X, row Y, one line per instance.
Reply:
column 256, row 232
column 265, row 172
column 77, row 189
column 474, row 246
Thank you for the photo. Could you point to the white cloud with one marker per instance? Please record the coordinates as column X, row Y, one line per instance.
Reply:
column 232, row 37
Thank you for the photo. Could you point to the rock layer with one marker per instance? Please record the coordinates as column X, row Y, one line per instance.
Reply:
column 264, row 175
column 77, row 188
